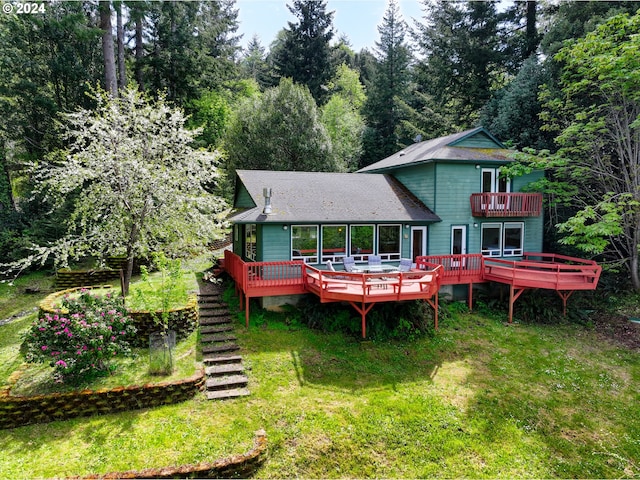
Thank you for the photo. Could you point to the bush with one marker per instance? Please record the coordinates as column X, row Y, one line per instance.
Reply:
column 80, row 344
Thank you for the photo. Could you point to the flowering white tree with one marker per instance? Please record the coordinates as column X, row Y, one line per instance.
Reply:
column 135, row 182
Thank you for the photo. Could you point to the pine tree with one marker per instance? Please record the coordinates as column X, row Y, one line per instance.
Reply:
column 253, row 63
column 305, row 55
column 388, row 88
column 461, row 45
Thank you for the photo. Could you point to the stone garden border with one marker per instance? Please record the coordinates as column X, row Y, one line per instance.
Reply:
column 17, row 411
column 236, row 466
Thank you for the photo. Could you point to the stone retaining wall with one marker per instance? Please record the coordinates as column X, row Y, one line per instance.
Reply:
column 16, row 411
column 236, row 466
column 78, row 278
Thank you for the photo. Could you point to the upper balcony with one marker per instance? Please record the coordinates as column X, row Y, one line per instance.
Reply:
column 506, row 204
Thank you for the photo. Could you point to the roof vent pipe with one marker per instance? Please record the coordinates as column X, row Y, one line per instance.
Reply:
column 267, row 201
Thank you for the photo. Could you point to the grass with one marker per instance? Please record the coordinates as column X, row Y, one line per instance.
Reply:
column 479, row 399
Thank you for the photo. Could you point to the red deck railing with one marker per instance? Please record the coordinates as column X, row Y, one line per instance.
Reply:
column 536, row 270
column 457, row 269
column 544, row 270
column 506, row 204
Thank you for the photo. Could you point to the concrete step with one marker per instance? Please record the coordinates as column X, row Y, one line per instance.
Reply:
column 209, row 304
column 226, row 369
column 214, row 321
column 215, row 329
column 214, row 312
column 217, row 338
column 230, row 347
column 225, row 394
column 227, row 382
column 221, row 359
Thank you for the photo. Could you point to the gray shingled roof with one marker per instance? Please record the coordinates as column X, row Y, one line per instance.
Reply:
column 330, row 197
column 442, row 148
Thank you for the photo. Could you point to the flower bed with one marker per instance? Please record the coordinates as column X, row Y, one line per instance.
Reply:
column 183, row 320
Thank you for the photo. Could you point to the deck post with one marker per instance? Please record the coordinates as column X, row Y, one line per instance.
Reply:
column 470, row 296
column 564, row 297
column 246, row 312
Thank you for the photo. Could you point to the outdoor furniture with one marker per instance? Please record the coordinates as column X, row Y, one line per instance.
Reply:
column 405, row 264
column 330, row 266
column 374, row 260
column 349, row 263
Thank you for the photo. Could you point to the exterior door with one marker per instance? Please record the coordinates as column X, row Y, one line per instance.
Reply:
column 493, row 183
column 418, row 242
column 458, row 243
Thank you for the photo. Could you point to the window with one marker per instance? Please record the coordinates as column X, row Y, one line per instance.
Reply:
column 334, row 242
column 361, row 242
column 513, row 239
column 500, row 239
column 250, row 241
column 491, row 239
column 389, row 242
column 304, row 243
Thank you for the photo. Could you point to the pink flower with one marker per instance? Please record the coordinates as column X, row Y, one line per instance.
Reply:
column 44, row 347
column 62, row 363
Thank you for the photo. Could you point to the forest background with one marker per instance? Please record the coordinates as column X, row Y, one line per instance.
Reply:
column 308, row 101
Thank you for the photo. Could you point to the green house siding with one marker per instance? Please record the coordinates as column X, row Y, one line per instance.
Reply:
column 446, row 188
column 275, row 243
column 419, row 179
column 478, row 140
column 243, row 199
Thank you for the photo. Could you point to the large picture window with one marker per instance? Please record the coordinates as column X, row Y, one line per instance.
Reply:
column 250, row 241
column 513, row 239
column 361, row 242
column 503, row 239
column 389, row 242
column 304, row 243
column 491, row 239
column 334, row 242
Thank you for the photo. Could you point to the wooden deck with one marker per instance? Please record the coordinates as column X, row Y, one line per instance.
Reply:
column 362, row 290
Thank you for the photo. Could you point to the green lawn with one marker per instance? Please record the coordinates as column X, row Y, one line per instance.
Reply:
column 480, row 399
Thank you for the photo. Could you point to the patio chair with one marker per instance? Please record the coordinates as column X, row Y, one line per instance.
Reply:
column 375, row 260
column 330, row 266
column 349, row 263
column 405, row 265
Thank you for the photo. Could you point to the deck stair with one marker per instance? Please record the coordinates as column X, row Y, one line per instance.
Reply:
column 224, row 370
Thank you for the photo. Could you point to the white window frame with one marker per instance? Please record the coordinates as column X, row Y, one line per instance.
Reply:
column 389, row 256
column 512, row 252
column 250, row 247
column 305, row 258
column 334, row 257
column 491, row 252
column 362, row 257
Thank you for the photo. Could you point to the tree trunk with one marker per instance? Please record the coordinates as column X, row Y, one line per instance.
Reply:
column 107, row 48
column 532, row 37
column 6, row 194
column 122, row 74
column 139, row 51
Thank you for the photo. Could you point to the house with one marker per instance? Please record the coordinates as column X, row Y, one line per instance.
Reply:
column 442, row 196
column 442, row 203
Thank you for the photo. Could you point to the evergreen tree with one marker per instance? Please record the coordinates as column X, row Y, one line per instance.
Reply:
column 388, row 88
column 513, row 114
column 305, row 55
column 253, row 63
column 461, row 45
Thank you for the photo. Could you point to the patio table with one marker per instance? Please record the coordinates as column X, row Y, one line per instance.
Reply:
column 375, row 269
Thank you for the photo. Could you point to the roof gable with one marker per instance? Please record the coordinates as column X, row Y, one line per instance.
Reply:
column 475, row 145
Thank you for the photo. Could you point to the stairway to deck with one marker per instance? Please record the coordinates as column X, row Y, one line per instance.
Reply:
column 224, row 369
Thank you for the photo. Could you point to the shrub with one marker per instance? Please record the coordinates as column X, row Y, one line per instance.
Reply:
column 80, row 344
